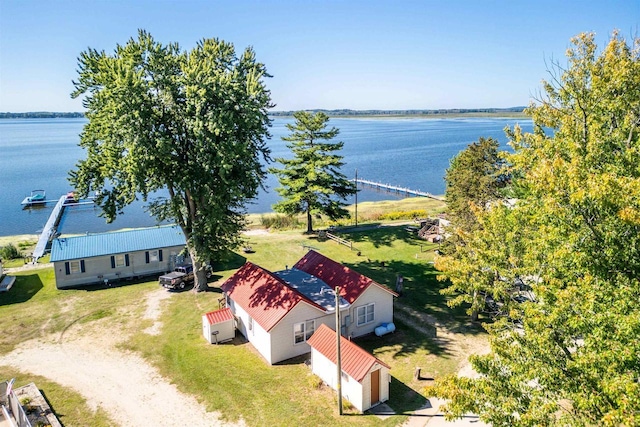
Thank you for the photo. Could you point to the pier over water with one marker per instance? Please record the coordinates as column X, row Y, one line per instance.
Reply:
column 396, row 189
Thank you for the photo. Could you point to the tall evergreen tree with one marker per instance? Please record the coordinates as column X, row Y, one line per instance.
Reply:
column 572, row 357
column 474, row 181
column 311, row 182
column 193, row 123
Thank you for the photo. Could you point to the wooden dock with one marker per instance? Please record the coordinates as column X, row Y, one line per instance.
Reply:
column 396, row 189
column 49, row 229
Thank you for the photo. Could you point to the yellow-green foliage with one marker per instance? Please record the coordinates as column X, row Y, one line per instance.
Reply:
column 395, row 215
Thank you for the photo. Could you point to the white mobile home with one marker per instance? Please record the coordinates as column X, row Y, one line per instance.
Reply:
column 106, row 257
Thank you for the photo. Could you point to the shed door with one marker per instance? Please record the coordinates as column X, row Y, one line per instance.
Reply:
column 375, row 387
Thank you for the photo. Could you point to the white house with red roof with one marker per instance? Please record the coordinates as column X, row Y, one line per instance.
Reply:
column 365, row 378
column 278, row 312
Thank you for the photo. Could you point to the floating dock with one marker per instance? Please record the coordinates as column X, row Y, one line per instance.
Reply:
column 396, row 189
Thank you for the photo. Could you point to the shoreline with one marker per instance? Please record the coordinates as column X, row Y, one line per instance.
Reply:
column 364, row 208
column 353, row 114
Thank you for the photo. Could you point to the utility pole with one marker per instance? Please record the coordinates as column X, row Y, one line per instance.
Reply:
column 338, row 356
column 356, row 197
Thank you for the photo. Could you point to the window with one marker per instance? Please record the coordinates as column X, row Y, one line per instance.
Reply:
column 302, row 331
column 119, row 260
column 365, row 314
column 74, row 267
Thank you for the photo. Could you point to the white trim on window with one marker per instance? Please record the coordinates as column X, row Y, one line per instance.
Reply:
column 365, row 314
column 302, row 331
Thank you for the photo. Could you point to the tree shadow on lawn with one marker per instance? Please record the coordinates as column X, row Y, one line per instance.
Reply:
column 403, row 399
column 24, row 288
column 229, row 261
column 383, row 236
column 405, row 341
column 421, row 291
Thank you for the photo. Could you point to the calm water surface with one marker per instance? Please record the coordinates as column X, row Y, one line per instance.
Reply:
column 413, row 153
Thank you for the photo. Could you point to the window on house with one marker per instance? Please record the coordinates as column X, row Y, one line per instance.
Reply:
column 366, row 314
column 74, row 267
column 119, row 260
column 302, row 331
column 153, row 256
column 251, row 324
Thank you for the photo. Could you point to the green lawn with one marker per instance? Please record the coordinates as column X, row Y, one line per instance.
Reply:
column 233, row 378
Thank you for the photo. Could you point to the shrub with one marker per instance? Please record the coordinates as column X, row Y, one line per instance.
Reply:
column 9, row 252
column 394, row 215
column 279, row 221
column 315, row 382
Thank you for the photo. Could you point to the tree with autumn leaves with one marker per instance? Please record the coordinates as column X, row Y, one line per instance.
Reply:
column 570, row 354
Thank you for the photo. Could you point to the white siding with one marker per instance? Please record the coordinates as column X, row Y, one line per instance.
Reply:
column 383, row 390
column 282, row 343
column 383, row 311
column 257, row 336
column 358, row 394
column 226, row 330
column 327, row 371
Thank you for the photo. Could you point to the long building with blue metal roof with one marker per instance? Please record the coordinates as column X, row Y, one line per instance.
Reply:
column 107, row 257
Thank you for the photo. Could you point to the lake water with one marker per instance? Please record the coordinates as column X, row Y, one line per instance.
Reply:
column 413, row 153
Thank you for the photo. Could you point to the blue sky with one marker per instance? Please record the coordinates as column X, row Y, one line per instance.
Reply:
column 322, row 54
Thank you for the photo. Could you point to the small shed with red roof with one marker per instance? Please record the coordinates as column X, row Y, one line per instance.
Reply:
column 279, row 311
column 365, row 378
column 218, row 326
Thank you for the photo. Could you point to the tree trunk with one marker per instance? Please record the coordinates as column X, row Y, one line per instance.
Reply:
column 474, row 312
column 309, row 222
column 200, row 274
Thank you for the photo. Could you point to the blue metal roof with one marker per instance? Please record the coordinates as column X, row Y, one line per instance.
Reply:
column 117, row 242
column 312, row 287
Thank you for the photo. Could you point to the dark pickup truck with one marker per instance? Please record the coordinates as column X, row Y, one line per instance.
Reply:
column 178, row 278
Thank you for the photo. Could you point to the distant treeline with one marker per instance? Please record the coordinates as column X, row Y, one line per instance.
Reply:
column 347, row 112
column 41, row 115
column 341, row 112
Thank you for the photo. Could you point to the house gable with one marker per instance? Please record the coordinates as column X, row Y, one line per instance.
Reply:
column 263, row 295
column 351, row 283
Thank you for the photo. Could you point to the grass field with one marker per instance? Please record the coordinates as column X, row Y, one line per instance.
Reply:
column 233, row 379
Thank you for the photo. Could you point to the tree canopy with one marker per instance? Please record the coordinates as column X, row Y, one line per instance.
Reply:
column 191, row 123
column 474, row 181
column 311, row 182
column 570, row 354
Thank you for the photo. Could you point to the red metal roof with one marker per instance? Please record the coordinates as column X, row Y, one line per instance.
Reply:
column 219, row 316
column 352, row 284
column 264, row 296
column 355, row 361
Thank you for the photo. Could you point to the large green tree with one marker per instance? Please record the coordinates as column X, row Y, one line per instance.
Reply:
column 574, row 356
column 474, row 181
column 193, row 123
column 311, row 182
